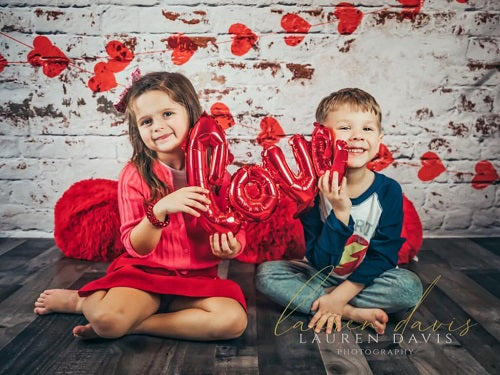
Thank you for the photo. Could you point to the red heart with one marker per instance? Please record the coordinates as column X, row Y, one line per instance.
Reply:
column 271, row 132
column 243, row 39
column 485, row 175
column 183, row 48
column 382, row 160
column 120, row 55
column 349, row 18
column 411, row 7
column 293, row 23
column 3, row 63
column 48, row 56
column 104, row 78
column 431, row 166
column 222, row 115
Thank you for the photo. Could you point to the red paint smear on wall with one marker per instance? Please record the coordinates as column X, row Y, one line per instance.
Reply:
column 243, row 39
column 349, row 18
column 3, row 63
column 49, row 57
column 485, row 175
column 120, row 55
column 382, row 160
column 183, row 48
column 104, row 78
column 222, row 115
column 271, row 132
column 431, row 166
column 293, row 23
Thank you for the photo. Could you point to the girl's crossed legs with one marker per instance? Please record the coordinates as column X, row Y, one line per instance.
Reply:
column 121, row 311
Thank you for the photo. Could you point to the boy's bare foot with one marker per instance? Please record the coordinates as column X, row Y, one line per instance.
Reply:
column 58, row 300
column 85, row 332
column 377, row 317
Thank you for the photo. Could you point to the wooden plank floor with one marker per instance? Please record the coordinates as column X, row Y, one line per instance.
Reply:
column 455, row 330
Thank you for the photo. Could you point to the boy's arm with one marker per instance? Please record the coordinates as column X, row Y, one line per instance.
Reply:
column 324, row 241
column 383, row 249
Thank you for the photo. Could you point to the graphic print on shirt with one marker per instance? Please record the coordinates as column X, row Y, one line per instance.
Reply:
column 366, row 217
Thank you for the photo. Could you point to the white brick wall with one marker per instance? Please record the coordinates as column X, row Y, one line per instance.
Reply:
column 436, row 78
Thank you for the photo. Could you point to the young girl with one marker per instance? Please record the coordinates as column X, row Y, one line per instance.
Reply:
column 166, row 284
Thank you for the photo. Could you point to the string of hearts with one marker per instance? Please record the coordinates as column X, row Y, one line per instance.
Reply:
column 53, row 62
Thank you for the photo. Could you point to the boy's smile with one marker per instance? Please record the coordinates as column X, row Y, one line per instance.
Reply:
column 360, row 130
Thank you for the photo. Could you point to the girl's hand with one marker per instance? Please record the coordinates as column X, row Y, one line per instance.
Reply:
column 227, row 248
column 188, row 199
column 329, row 312
column 336, row 195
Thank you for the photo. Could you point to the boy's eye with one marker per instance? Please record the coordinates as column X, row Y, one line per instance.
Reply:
column 368, row 128
column 167, row 114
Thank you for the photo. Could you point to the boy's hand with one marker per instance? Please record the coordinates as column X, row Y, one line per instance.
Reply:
column 328, row 311
column 336, row 195
column 227, row 248
column 189, row 199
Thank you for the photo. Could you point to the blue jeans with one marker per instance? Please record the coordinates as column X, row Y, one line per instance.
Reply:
column 283, row 281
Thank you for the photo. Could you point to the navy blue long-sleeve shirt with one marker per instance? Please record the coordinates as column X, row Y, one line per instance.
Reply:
column 369, row 244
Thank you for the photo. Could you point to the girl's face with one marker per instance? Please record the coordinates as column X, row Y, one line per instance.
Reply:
column 163, row 123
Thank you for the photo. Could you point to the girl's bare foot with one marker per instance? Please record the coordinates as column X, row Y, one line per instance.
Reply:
column 85, row 332
column 58, row 300
column 376, row 317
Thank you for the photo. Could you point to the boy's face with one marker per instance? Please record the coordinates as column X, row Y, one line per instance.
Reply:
column 361, row 132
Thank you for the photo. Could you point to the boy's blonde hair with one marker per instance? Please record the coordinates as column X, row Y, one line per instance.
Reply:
column 355, row 98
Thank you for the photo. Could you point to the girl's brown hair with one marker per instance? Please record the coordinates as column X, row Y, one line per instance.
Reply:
column 355, row 98
column 180, row 90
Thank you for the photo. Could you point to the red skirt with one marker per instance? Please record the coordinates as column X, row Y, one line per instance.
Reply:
column 142, row 274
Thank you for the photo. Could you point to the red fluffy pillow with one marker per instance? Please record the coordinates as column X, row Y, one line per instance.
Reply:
column 412, row 231
column 87, row 222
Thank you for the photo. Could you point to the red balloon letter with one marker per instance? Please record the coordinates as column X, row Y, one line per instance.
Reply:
column 302, row 186
column 206, row 161
column 253, row 192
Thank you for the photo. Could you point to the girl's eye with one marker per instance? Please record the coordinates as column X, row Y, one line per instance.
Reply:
column 167, row 114
column 146, row 122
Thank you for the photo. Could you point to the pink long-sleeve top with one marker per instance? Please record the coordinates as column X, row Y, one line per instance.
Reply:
column 183, row 245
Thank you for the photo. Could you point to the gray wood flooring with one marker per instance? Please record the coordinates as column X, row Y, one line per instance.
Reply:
column 455, row 330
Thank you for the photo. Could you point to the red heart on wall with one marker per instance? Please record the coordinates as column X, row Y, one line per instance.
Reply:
column 431, row 166
column 3, row 63
column 183, row 48
column 411, row 7
column 103, row 80
column 222, row 115
column 349, row 18
column 271, row 132
column 243, row 39
column 49, row 57
column 120, row 55
column 382, row 160
column 485, row 175
column 293, row 23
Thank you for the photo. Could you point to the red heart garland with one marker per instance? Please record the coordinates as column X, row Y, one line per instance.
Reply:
column 243, row 39
column 349, row 18
column 293, row 23
column 431, row 166
column 183, row 48
column 382, row 160
column 222, row 115
column 104, row 78
column 49, row 57
column 3, row 63
column 485, row 175
column 120, row 55
column 271, row 132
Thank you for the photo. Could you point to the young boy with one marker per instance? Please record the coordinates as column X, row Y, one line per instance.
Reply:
column 352, row 233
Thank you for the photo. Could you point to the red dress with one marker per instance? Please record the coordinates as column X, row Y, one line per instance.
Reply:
column 181, row 264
